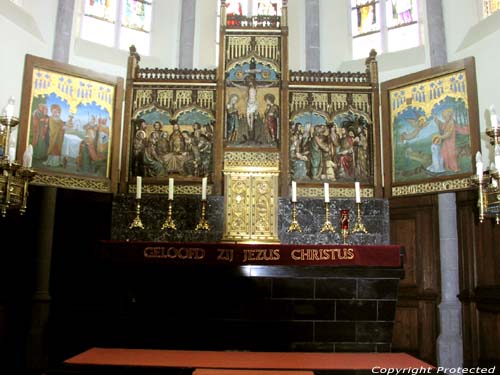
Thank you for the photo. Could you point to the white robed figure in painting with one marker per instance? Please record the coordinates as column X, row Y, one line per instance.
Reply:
column 437, row 165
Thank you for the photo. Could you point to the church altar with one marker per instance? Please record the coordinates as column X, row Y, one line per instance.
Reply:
column 188, row 290
column 246, row 281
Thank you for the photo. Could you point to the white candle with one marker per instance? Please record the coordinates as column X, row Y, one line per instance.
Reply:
column 493, row 117
column 494, row 182
column 171, row 188
column 294, row 191
column 479, row 165
column 497, row 157
column 138, row 187
column 12, row 153
column 327, row 192
column 204, row 188
column 357, row 190
column 28, row 156
column 8, row 110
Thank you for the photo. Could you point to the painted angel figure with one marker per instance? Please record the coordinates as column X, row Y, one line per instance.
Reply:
column 417, row 125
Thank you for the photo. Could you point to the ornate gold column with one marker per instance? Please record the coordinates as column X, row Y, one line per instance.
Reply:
column 251, row 197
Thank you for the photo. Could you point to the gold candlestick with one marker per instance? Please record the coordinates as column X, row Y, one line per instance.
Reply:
column 359, row 227
column 137, row 223
column 169, row 221
column 203, row 223
column 294, row 225
column 482, row 200
column 327, row 226
column 344, row 225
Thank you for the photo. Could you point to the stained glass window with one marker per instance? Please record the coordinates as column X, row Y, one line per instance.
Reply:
column 238, row 7
column 136, row 15
column 394, row 29
column 254, row 7
column 490, row 6
column 400, row 12
column 104, row 10
column 117, row 23
column 266, row 7
column 247, row 8
column 364, row 17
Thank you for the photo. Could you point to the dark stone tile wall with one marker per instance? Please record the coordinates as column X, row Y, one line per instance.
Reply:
column 217, row 308
column 187, row 208
column 262, row 308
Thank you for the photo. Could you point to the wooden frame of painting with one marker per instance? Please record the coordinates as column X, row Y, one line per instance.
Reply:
column 431, row 124
column 72, row 120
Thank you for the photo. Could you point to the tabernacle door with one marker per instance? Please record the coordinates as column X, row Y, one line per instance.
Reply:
column 251, row 197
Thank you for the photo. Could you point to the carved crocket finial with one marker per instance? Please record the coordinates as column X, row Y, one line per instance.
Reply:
column 133, row 52
column 373, row 54
column 371, row 66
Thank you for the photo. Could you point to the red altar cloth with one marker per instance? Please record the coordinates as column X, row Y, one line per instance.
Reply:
column 245, row 360
column 251, row 254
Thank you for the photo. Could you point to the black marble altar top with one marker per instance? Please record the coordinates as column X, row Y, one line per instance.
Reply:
column 187, row 208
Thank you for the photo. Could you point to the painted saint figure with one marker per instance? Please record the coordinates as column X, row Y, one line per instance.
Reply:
column 448, row 130
column 40, row 126
column 272, row 116
column 437, row 165
column 345, row 155
column 232, row 118
column 139, row 145
column 57, row 128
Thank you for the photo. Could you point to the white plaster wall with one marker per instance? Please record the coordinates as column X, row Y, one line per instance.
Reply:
column 205, row 34
column 335, row 40
column 26, row 30
column 468, row 35
column 296, row 35
column 165, row 31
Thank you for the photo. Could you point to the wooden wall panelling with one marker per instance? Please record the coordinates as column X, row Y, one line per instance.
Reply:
column 414, row 224
column 479, row 283
column 466, row 214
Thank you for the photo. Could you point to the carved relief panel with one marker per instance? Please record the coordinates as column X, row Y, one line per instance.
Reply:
column 331, row 136
column 252, row 95
column 172, row 131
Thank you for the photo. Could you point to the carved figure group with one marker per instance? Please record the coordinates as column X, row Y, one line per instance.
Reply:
column 328, row 152
column 254, row 127
column 181, row 152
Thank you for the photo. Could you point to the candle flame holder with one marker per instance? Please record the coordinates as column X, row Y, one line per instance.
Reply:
column 294, row 225
column 327, row 226
column 344, row 225
column 137, row 222
column 14, row 178
column 203, row 223
column 359, row 227
column 169, row 221
column 488, row 184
